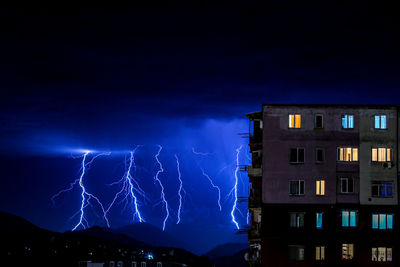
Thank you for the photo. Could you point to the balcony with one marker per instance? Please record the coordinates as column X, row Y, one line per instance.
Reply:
column 254, row 171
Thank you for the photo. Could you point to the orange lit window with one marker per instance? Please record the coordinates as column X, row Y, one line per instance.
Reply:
column 381, row 154
column 295, row 121
column 347, row 154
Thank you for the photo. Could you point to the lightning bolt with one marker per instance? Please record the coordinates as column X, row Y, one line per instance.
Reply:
column 209, row 178
column 85, row 195
column 235, row 188
column 180, row 189
column 161, row 170
column 128, row 189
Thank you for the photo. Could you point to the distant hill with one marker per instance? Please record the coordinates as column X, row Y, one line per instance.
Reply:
column 235, row 260
column 226, row 250
column 150, row 234
column 24, row 244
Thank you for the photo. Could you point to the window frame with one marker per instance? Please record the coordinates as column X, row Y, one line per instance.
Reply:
column 344, row 256
column 315, row 121
column 299, row 183
column 347, row 121
column 380, row 184
column 349, row 220
column 294, row 120
column 379, row 216
column 380, row 121
column 320, row 253
column 299, row 217
column 316, row 155
column 377, row 254
column 320, row 187
column 299, row 255
column 347, row 185
column 388, row 154
column 297, row 155
column 344, row 154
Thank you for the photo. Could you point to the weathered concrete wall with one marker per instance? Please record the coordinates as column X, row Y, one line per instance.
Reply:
column 278, row 139
column 373, row 138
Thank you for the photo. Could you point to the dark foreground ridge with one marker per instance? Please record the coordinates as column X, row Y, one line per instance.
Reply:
column 23, row 243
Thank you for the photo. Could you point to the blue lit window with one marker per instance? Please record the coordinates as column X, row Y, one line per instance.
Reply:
column 348, row 121
column 380, row 122
column 382, row 221
column 382, row 189
column 349, row 218
column 319, row 220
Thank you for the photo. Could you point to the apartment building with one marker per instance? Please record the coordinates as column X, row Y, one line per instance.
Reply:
column 324, row 185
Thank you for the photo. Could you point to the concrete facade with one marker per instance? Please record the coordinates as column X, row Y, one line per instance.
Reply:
column 271, row 236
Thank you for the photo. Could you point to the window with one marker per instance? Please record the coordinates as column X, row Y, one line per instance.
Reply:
column 159, row 264
column 142, row 264
column 320, row 253
column 320, row 187
column 347, row 251
column 382, row 221
column 296, row 155
column 381, row 254
column 347, row 154
column 382, row 189
column 346, row 185
column 349, row 218
column 296, row 253
column 134, row 264
column 319, row 121
column 380, row 122
column 318, row 223
column 381, row 154
column 319, row 155
column 296, row 219
column 347, row 121
column 296, row 188
column 295, row 121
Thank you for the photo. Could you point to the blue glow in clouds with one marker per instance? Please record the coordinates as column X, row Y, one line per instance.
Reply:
column 161, row 170
column 180, row 189
column 235, row 188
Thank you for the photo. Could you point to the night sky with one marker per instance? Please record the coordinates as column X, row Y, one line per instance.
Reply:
column 109, row 80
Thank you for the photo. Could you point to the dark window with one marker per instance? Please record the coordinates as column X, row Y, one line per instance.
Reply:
column 382, row 189
column 319, row 155
column 296, row 187
column 296, row 219
column 296, row 253
column 346, row 185
column 296, row 155
column 319, row 121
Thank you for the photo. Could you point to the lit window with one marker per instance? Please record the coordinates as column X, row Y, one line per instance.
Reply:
column 381, row 254
column 380, row 122
column 348, row 121
column 320, row 253
column 296, row 253
column 319, row 155
column 347, row 154
column 296, row 155
column 346, row 185
column 347, row 251
column 296, row 187
column 382, row 189
column 142, row 264
column 296, row 219
column 318, row 223
column 381, row 154
column 349, row 218
column 319, row 121
column 294, row 121
column 320, row 187
column 382, row 221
